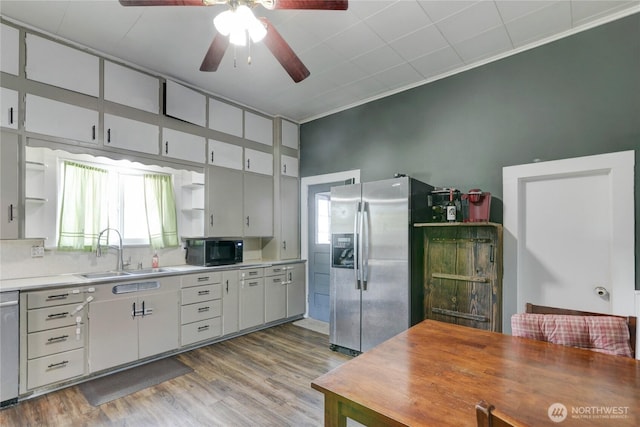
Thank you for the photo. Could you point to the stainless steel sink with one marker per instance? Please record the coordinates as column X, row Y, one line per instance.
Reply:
column 105, row 274
column 148, row 271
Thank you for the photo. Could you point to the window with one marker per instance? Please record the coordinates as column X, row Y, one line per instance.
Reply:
column 139, row 204
column 323, row 218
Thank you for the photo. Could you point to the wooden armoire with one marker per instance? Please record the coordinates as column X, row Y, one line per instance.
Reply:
column 460, row 265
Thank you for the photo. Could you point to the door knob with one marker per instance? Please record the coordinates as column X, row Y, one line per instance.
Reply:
column 602, row 292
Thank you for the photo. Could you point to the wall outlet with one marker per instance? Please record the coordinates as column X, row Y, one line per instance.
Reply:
column 37, row 251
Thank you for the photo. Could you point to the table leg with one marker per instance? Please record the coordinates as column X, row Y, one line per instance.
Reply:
column 332, row 416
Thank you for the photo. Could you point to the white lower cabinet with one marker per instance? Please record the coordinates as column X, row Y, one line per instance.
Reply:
column 275, row 294
column 251, row 298
column 133, row 320
column 296, row 289
column 55, row 340
column 201, row 307
column 230, row 302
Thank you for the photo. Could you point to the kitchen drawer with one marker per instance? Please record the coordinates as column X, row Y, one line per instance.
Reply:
column 251, row 273
column 55, row 368
column 201, row 279
column 54, row 297
column 278, row 280
column 275, row 270
column 200, row 311
column 201, row 293
column 200, row 331
column 54, row 341
column 42, row 319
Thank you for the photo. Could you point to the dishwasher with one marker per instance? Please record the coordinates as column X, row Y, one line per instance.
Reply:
column 9, row 348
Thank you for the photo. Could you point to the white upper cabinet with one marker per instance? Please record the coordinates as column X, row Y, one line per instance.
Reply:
column 9, row 108
column 59, row 65
column 183, row 146
column 120, row 132
column 54, row 118
column 225, row 118
column 258, row 162
column 289, row 166
column 9, row 48
column 258, row 128
column 185, row 104
column 290, row 134
column 129, row 87
column 225, row 155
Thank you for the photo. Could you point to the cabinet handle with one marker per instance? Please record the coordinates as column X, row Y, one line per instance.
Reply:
column 11, row 115
column 253, row 273
column 58, row 365
column 247, row 221
column 227, row 286
column 11, row 216
column 108, row 136
column 254, row 283
column 60, row 338
column 203, row 292
column 57, row 315
column 284, row 245
column 203, row 328
column 284, row 168
column 290, row 276
column 211, row 220
column 57, row 297
column 203, row 309
column 211, row 156
column 248, row 163
column 143, row 309
column 93, row 132
column 166, row 147
column 203, row 279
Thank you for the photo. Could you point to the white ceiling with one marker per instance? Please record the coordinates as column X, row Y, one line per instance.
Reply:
column 376, row 48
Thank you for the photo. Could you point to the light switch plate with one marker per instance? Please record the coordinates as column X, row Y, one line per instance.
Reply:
column 37, row 251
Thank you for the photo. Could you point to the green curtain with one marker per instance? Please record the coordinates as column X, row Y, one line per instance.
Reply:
column 161, row 211
column 84, row 207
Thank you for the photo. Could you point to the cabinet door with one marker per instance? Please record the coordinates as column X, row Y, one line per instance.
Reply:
column 129, row 87
column 258, row 162
column 251, row 303
column 224, row 202
column 230, row 302
column 8, row 108
column 225, row 118
column 62, row 66
column 9, row 48
column 8, row 186
column 59, row 119
column 258, row 205
column 120, row 132
column 185, row 104
column 258, row 128
column 289, row 166
column 183, row 146
column 159, row 327
column 289, row 218
column 290, row 134
column 113, row 333
column 296, row 289
column 275, row 298
column 225, row 155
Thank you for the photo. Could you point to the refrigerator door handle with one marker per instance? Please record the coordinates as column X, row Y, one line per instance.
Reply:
column 356, row 249
column 364, row 251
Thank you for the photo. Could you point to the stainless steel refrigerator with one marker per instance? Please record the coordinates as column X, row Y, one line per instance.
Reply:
column 372, row 297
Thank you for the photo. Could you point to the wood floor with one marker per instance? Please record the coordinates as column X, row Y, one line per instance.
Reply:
column 260, row 379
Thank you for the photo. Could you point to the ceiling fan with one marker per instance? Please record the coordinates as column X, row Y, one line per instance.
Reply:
column 258, row 29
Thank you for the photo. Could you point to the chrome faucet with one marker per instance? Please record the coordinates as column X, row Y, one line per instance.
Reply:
column 120, row 260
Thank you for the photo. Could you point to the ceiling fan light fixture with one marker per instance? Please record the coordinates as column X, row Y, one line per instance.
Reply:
column 225, row 22
column 236, row 23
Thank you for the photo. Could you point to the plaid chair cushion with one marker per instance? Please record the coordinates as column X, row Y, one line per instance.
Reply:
column 599, row 333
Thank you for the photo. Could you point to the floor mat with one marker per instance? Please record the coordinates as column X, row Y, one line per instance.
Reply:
column 115, row 386
column 313, row 324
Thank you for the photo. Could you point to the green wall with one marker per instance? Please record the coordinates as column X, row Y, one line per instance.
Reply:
column 574, row 97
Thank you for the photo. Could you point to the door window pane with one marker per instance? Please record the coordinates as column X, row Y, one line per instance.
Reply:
column 323, row 218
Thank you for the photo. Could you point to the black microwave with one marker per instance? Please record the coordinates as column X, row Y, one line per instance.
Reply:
column 209, row 252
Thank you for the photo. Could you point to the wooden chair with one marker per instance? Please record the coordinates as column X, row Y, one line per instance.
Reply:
column 487, row 416
column 630, row 320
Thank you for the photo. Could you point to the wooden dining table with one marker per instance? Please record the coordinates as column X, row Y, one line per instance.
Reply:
column 434, row 374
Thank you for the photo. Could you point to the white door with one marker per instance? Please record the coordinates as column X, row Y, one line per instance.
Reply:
column 569, row 234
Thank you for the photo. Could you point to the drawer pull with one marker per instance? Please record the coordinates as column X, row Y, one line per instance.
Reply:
column 203, row 279
column 254, row 283
column 57, row 297
column 253, row 273
column 203, row 328
column 203, row 292
column 58, row 315
column 58, row 365
column 60, row 338
column 203, row 309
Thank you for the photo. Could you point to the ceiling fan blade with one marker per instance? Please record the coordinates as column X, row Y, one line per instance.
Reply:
column 312, row 4
column 214, row 55
column 163, row 2
column 284, row 54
